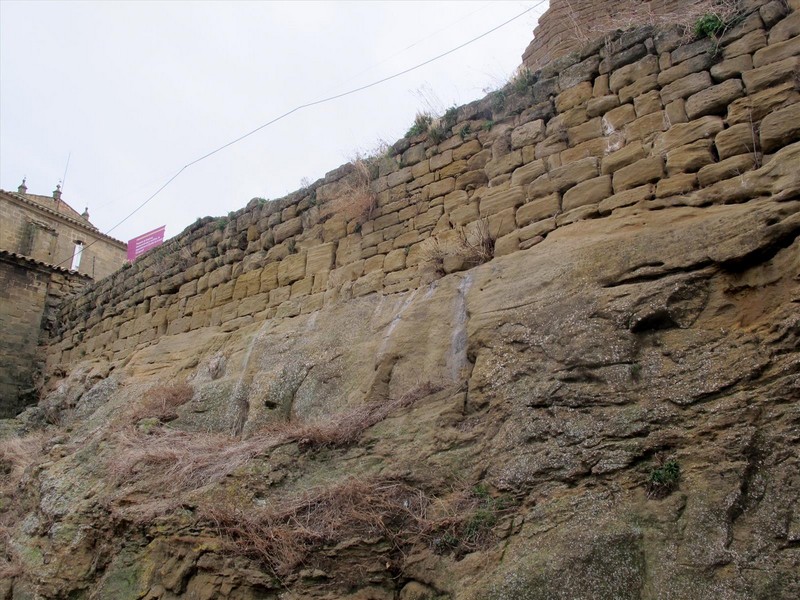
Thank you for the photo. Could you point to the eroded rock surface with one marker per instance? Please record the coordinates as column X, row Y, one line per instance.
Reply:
column 549, row 386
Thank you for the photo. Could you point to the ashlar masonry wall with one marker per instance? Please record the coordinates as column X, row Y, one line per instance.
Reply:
column 644, row 119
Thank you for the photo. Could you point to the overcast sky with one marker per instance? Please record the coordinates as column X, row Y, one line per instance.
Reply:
column 131, row 92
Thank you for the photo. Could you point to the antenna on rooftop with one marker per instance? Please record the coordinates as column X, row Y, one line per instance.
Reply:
column 64, row 178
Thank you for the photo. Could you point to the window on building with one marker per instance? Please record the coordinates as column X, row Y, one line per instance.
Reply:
column 76, row 257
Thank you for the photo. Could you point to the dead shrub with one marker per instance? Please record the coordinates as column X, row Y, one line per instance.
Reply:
column 346, row 429
column 471, row 246
column 356, row 200
column 17, row 455
column 284, row 534
column 634, row 13
column 161, row 402
column 168, row 466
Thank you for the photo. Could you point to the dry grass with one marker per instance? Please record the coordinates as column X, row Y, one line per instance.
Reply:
column 17, row 455
column 356, row 201
column 162, row 401
column 474, row 245
column 166, row 467
column 282, row 536
column 635, row 13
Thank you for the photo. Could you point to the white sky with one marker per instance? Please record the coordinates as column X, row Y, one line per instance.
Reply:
column 131, row 92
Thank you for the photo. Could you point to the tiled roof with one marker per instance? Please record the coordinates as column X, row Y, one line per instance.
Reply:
column 28, row 259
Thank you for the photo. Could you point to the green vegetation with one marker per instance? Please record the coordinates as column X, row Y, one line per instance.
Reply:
column 663, row 478
column 524, row 79
column 422, row 123
column 464, row 132
column 709, row 25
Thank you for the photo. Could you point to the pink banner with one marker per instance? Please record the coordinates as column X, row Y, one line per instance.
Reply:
column 141, row 244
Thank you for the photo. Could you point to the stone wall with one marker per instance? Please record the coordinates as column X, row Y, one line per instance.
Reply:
column 30, row 229
column 644, row 120
column 29, row 293
column 568, row 25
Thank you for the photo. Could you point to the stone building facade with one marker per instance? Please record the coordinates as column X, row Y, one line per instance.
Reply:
column 47, row 229
column 47, row 251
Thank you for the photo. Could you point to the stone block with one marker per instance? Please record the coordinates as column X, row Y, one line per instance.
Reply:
column 479, row 160
column 627, row 155
column 527, row 173
column 686, row 51
column 528, row 134
column 374, row 263
column 368, row 284
column 455, row 199
column 695, row 64
column 552, row 144
column 646, row 170
column 471, row 179
column 288, row 229
column 395, row 261
column 679, row 184
column 616, row 119
column 496, row 201
column 587, row 131
column 785, row 29
column 454, row 169
column 686, row 133
column 440, row 188
column 597, row 147
column 715, row 99
column 675, row 112
column 269, row 277
column 320, row 258
column 685, row 86
column 400, row 177
column 780, row 128
column 776, row 52
column 579, row 214
column 725, row 169
column 638, row 88
column 597, row 107
column 504, row 164
column 574, row 75
column 733, row 67
column 737, row 139
column 645, row 128
column 501, row 223
column 291, row 269
column 587, row 192
column 753, row 108
column 467, row 150
column 630, row 73
column 279, row 295
column 772, row 74
column 537, row 210
column 574, row 96
column 626, row 198
column 463, row 215
column 507, row 244
column 647, row 103
column 690, row 158
column 429, row 218
column 747, row 44
column 565, row 177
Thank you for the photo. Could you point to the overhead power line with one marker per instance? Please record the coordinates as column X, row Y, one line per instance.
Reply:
column 308, row 105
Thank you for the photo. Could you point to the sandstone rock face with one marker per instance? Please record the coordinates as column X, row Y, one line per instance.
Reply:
column 319, row 403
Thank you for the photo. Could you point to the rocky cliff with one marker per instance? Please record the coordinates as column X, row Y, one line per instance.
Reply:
column 606, row 408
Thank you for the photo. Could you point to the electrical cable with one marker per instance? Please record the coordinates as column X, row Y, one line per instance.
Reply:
column 308, row 105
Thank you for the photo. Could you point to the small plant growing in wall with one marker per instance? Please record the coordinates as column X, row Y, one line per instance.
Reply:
column 709, row 25
column 663, row 478
column 422, row 123
column 357, row 201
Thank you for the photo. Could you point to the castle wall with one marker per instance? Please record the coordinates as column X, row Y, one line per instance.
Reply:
column 639, row 121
